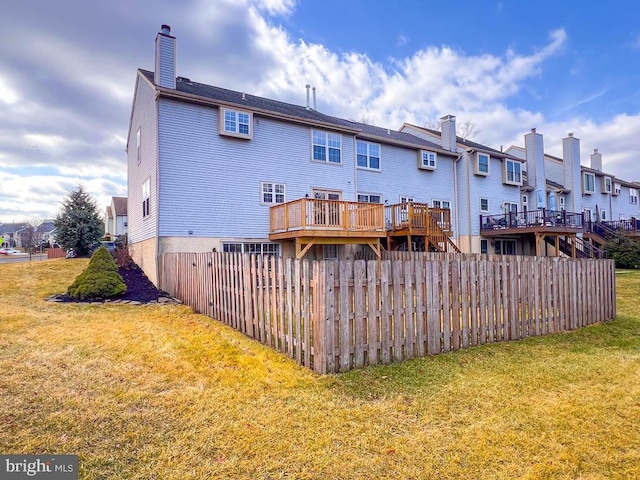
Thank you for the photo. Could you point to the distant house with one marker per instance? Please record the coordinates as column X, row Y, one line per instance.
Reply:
column 45, row 233
column 10, row 233
column 115, row 219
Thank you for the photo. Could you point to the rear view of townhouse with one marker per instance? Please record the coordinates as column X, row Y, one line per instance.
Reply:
column 211, row 169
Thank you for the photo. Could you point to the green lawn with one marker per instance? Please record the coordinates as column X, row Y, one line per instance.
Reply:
column 142, row 392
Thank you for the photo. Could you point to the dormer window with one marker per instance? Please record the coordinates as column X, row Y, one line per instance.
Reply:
column 235, row 123
column 427, row 160
column 588, row 183
column 481, row 164
column 512, row 172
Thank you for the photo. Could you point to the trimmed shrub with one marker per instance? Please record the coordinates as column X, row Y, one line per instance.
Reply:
column 100, row 280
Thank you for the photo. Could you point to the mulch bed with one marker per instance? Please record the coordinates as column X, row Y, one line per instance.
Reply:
column 139, row 289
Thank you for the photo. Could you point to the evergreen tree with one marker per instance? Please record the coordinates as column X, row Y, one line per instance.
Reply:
column 79, row 226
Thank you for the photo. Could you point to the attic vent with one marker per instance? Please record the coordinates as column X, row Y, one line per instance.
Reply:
column 244, row 97
column 184, row 80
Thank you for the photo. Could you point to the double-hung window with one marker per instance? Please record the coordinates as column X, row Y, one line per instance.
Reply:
column 272, row 193
column 427, row 160
column 484, row 205
column 146, row 194
column 482, row 164
column 633, row 196
column 235, row 123
column 326, row 147
column 617, row 189
column 512, row 172
column 589, row 183
column 368, row 155
column 606, row 185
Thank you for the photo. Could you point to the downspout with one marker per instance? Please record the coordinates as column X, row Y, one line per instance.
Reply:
column 157, row 191
column 469, row 166
column 455, row 195
column 355, row 169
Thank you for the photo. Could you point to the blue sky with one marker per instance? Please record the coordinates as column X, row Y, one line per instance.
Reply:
column 67, row 71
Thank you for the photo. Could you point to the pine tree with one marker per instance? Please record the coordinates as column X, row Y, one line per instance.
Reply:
column 79, row 226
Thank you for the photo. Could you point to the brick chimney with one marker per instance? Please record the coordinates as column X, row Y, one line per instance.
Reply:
column 596, row 160
column 534, row 154
column 165, row 72
column 448, row 132
column 572, row 172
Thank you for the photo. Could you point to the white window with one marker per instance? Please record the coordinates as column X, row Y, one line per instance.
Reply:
column 138, row 152
column 509, row 207
column 407, row 199
column 369, row 198
column 589, row 183
column 482, row 164
column 258, row 248
column 633, row 196
column 606, row 185
column 368, row 155
column 484, row 204
column 588, row 215
column 512, row 172
column 235, row 123
column 427, row 160
column 322, row 194
column 326, row 147
column 603, row 215
column 525, row 203
column 442, row 216
column 617, row 188
column 272, row 192
column 441, row 204
column 561, row 200
column 146, row 194
column 505, row 247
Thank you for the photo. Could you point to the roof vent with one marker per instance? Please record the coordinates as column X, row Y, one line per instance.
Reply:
column 184, row 80
column 165, row 30
column 244, row 97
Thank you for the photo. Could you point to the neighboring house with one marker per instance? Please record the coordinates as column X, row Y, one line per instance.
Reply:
column 46, row 233
column 211, row 169
column 10, row 233
column 115, row 219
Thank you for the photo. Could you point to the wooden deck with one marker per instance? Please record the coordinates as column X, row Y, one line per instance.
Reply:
column 543, row 221
column 311, row 221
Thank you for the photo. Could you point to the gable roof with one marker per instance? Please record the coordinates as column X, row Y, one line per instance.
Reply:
column 46, row 226
column 191, row 90
column 119, row 205
column 12, row 227
column 468, row 144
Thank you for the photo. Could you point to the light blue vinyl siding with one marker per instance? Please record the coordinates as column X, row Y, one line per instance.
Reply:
column 166, row 61
column 210, row 184
column 144, row 116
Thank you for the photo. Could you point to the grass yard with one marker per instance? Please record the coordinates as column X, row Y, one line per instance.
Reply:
column 157, row 392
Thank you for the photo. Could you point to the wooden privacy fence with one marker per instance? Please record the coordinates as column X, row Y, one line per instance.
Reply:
column 335, row 316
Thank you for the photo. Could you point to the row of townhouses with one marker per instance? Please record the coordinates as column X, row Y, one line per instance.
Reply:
column 211, row 169
column 14, row 234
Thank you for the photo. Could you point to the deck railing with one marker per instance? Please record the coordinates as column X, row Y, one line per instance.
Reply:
column 533, row 218
column 317, row 214
column 416, row 215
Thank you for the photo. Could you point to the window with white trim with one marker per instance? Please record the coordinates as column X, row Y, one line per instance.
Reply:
column 481, row 166
column 138, row 143
column 633, row 196
column 428, row 160
column 588, row 183
column 588, row 215
column 509, row 207
column 235, row 123
column 326, row 147
column 603, row 215
column 606, row 185
column 258, row 248
column 272, row 193
column 484, row 204
column 617, row 189
column 561, row 201
column 441, row 216
column 407, row 199
column 512, row 172
column 146, row 194
column 368, row 155
column 369, row 198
